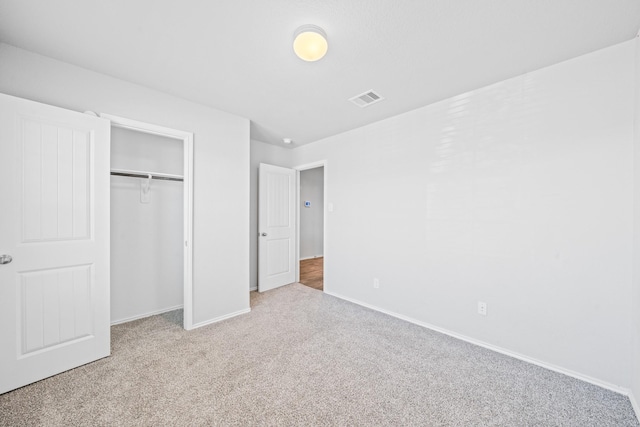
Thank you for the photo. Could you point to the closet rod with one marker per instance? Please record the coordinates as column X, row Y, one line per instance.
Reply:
column 146, row 175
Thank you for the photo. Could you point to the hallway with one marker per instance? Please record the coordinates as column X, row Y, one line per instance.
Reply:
column 312, row 272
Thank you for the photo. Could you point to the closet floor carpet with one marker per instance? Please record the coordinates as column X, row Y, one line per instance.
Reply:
column 302, row 357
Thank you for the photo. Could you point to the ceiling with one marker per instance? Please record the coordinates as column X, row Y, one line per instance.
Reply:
column 236, row 55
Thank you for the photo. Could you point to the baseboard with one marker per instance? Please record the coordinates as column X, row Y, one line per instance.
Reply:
column 497, row 349
column 312, row 257
column 254, row 288
column 149, row 314
column 220, row 319
column 635, row 404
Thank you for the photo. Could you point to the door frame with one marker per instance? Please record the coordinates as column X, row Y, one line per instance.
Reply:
column 187, row 140
column 298, row 169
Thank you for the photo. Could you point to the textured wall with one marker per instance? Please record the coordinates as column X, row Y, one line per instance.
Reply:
column 221, row 163
column 519, row 194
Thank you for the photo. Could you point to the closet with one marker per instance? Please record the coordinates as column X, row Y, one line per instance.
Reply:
column 147, row 224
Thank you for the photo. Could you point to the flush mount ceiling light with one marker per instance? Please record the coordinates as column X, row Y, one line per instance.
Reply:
column 310, row 43
column 287, row 140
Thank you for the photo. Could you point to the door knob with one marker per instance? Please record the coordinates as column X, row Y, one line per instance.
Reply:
column 5, row 259
column 264, row 234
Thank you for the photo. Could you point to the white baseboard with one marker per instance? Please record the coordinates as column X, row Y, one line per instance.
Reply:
column 221, row 318
column 149, row 314
column 577, row 375
column 254, row 288
column 635, row 404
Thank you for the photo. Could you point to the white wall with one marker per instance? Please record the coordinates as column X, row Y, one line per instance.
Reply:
column 273, row 155
column 518, row 194
column 146, row 238
column 221, row 150
column 146, row 152
column 311, row 218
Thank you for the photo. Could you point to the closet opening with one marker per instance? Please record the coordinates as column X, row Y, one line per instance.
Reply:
column 151, row 221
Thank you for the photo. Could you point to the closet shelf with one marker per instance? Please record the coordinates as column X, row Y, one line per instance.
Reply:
column 141, row 174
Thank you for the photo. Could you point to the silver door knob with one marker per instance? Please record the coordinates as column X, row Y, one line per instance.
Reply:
column 264, row 234
column 5, row 259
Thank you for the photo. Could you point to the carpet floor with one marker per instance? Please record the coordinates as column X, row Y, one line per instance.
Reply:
column 302, row 357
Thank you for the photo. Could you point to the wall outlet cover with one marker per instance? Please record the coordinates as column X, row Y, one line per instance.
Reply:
column 482, row 308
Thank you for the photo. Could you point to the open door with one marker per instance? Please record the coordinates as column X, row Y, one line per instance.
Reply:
column 276, row 227
column 54, row 241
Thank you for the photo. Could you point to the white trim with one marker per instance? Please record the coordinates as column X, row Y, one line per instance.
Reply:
column 312, row 257
column 138, row 126
column 313, row 165
column 221, row 318
column 634, row 404
column 635, row 370
column 187, row 172
column 551, row 367
column 253, row 288
column 297, row 202
column 187, row 139
column 298, row 169
column 149, row 314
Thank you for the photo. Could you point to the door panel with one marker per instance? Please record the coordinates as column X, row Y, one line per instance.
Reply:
column 276, row 227
column 54, row 222
column 55, row 196
column 54, row 307
column 278, row 256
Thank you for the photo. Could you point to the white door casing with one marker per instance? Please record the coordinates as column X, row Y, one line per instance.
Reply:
column 54, row 223
column 187, row 175
column 276, row 227
column 298, row 169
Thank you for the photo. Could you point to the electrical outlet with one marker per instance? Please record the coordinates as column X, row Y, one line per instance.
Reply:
column 482, row 308
column 376, row 283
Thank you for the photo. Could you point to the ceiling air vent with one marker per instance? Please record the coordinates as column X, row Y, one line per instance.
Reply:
column 366, row 99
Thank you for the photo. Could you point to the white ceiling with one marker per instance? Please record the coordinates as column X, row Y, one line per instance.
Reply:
column 235, row 55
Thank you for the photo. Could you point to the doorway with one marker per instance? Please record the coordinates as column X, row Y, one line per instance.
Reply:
column 151, row 198
column 311, row 230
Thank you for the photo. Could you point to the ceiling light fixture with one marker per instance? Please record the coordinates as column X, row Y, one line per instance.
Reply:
column 287, row 140
column 310, row 42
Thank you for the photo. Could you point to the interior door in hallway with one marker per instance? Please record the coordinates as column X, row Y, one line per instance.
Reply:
column 54, row 240
column 276, row 227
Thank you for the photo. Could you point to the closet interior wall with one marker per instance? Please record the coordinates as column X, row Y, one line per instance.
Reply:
column 146, row 237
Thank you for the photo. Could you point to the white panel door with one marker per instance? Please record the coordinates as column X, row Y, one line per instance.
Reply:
column 54, row 224
column 276, row 227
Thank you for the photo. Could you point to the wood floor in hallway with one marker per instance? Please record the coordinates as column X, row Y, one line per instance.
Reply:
column 311, row 273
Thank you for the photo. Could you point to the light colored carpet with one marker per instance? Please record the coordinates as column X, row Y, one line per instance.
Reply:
column 305, row 358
